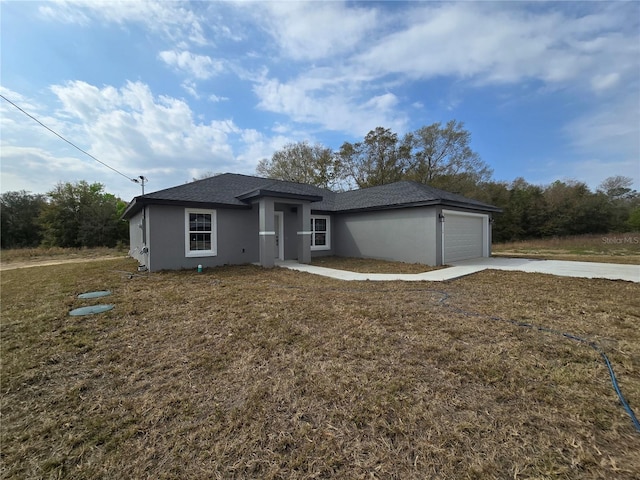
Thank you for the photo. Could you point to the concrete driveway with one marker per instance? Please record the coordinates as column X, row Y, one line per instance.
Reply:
column 609, row 271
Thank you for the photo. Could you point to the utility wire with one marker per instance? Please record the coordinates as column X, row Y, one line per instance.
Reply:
column 69, row 142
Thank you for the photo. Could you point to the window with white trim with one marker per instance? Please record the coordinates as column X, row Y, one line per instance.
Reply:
column 200, row 232
column 320, row 232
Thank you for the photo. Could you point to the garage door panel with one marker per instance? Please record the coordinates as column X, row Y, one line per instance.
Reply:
column 463, row 237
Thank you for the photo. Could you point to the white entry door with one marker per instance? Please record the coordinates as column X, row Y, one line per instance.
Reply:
column 279, row 229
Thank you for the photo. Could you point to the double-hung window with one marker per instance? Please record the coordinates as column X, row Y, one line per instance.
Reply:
column 320, row 232
column 200, row 233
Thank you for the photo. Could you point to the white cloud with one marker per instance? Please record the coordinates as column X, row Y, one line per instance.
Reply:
column 200, row 67
column 611, row 130
column 129, row 129
column 62, row 13
column 257, row 146
column 342, row 67
column 315, row 30
column 607, row 139
column 486, row 44
column 476, row 44
column 216, row 98
column 191, row 88
column 605, row 81
column 137, row 132
column 593, row 171
column 338, row 110
column 385, row 102
column 175, row 20
column 42, row 164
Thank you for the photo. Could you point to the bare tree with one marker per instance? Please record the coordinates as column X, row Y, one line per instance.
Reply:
column 381, row 158
column 304, row 163
column 442, row 154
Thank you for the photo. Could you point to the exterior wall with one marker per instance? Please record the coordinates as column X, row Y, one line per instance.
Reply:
column 237, row 238
column 413, row 235
column 404, row 235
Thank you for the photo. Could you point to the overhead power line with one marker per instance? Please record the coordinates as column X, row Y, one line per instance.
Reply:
column 136, row 180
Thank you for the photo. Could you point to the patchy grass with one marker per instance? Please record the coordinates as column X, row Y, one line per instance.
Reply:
column 23, row 255
column 609, row 248
column 370, row 265
column 242, row 372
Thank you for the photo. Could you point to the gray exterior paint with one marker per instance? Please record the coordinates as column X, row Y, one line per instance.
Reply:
column 238, row 239
column 291, row 229
column 237, row 242
column 399, row 221
column 404, row 235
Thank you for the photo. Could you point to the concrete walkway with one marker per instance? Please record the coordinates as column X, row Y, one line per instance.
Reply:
column 609, row 271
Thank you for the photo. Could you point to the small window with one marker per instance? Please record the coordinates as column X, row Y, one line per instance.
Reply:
column 200, row 233
column 320, row 232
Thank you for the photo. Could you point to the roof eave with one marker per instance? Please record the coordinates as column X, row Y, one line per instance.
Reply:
column 139, row 202
column 471, row 206
column 430, row 203
column 259, row 193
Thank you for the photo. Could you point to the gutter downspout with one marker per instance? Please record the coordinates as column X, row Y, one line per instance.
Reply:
column 441, row 220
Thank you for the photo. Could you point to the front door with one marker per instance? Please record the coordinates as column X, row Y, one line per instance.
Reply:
column 278, row 226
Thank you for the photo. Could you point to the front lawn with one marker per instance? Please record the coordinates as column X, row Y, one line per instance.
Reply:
column 243, row 372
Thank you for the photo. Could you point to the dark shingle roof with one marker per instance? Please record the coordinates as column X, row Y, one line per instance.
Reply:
column 403, row 193
column 232, row 190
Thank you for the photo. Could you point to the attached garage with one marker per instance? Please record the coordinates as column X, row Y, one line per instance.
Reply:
column 464, row 236
column 252, row 219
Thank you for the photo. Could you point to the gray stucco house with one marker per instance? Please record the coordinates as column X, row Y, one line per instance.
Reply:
column 239, row 219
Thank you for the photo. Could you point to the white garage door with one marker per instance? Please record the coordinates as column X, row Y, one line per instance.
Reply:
column 464, row 236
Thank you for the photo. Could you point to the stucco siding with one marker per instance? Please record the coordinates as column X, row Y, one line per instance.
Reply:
column 404, row 235
column 236, row 232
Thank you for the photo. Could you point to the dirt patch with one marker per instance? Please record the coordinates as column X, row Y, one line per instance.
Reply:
column 59, row 261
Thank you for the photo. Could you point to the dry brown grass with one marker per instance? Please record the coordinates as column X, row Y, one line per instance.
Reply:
column 242, row 372
column 369, row 265
column 608, row 248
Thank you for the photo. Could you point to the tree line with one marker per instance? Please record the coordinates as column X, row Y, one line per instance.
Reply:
column 70, row 215
column 84, row 215
column 441, row 156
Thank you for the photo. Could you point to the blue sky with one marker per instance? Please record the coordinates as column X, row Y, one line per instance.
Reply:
column 172, row 90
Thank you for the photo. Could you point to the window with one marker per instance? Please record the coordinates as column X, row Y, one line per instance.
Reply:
column 200, row 233
column 320, row 232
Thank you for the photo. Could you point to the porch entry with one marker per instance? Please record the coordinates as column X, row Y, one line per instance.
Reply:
column 279, row 230
column 271, row 228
